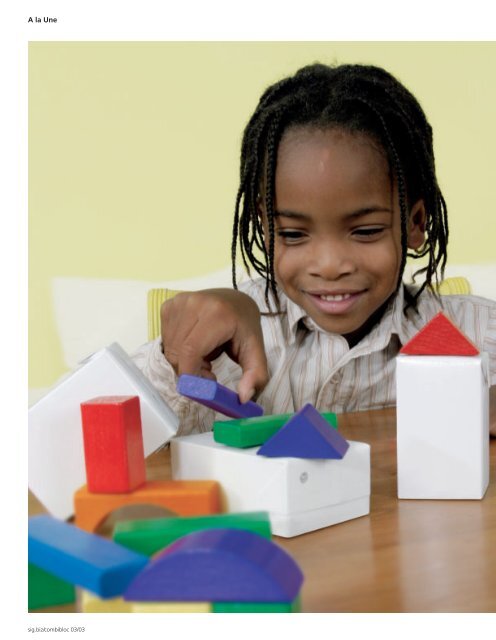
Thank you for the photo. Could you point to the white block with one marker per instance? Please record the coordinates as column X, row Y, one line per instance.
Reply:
column 300, row 495
column 56, row 466
column 442, row 426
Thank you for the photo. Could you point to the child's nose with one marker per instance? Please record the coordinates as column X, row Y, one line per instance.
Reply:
column 331, row 260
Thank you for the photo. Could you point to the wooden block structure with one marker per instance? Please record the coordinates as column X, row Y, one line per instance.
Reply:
column 56, row 464
column 218, row 562
column 219, row 565
column 113, row 444
column 251, row 432
column 299, row 494
column 187, row 498
column 209, row 570
column 305, row 435
column 81, row 558
column 152, row 535
column 217, row 397
column 215, row 561
column 442, row 415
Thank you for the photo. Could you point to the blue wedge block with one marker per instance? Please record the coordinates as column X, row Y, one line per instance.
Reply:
column 217, row 397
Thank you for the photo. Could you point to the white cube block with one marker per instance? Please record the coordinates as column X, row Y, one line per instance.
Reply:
column 300, row 495
column 56, row 467
column 442, row 426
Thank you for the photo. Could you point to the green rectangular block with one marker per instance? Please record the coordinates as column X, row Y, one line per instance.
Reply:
column 252, row 432
column 258, row 607
column 46, row 590
column 149, row 536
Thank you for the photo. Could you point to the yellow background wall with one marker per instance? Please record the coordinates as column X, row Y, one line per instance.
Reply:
column 134, row 146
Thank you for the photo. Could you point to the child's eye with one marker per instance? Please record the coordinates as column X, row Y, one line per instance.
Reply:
column 290, row 236
column 368, row 233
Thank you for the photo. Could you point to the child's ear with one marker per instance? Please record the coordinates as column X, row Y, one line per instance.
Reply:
column 416, row 225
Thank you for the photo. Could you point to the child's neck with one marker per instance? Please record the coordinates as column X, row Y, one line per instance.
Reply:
column 355, row 337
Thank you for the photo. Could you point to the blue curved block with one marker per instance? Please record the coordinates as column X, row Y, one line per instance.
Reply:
column 82, row 558
column 306, row 435
column 219, row 565
column 217, row 397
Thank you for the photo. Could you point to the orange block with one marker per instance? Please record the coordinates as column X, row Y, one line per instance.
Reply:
column 183, row 497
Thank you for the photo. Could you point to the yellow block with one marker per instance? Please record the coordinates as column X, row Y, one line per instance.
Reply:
column 171, row 607
column 91, row 603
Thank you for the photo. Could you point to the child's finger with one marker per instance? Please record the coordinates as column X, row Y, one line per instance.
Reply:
column 253, row 362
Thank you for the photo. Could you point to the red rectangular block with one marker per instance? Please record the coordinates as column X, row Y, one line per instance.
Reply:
column 113, row 444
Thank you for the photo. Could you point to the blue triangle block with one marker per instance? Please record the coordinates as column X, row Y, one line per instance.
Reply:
column 306, row 435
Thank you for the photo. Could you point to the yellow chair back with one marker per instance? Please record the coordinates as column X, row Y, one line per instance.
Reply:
column 155, row 299
column 454, row 286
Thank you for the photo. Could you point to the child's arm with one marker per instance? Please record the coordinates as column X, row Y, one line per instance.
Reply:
column 198, row 326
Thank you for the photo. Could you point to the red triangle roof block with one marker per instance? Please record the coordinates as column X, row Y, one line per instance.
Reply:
column 440, row 337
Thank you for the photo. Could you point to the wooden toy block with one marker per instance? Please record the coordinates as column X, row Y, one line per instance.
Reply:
column 46, row 590
column 217, row 397
column 442, row 426
column 305, row 435
column 184, row 498
column 300, row 495
column 440, row 337
column 81, row 558
column 113, row 444
column 171, row 607
column 219, row 565
column 258, row 607
column 91, row 603
column 251, row 432
column 150, row 536
column 56, row 465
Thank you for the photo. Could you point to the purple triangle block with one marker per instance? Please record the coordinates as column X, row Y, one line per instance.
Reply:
column 219, row 565
column 306, row 435
column 217, row 397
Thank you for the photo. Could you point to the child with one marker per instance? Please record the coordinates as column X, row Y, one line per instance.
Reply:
column 337, row 188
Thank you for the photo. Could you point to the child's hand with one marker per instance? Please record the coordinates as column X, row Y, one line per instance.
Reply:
column 198, row 326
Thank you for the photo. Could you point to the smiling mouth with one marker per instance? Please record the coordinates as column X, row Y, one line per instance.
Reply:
column 336, row 298
column 335, row 303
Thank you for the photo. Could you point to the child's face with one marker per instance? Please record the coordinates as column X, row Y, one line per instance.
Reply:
column 337, row 231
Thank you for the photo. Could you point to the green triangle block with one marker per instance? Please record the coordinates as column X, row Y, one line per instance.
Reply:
column 149, row 536
column 46, row 590
column 252, row 432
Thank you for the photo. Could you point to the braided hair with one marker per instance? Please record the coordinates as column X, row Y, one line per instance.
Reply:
column 357, row 99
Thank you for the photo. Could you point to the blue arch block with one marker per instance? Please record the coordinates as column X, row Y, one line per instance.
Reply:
column 219, row 565
column 217, row 397
column 82, row 558
column 306, row 435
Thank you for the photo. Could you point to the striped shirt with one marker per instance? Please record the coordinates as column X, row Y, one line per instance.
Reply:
column 307, row 364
